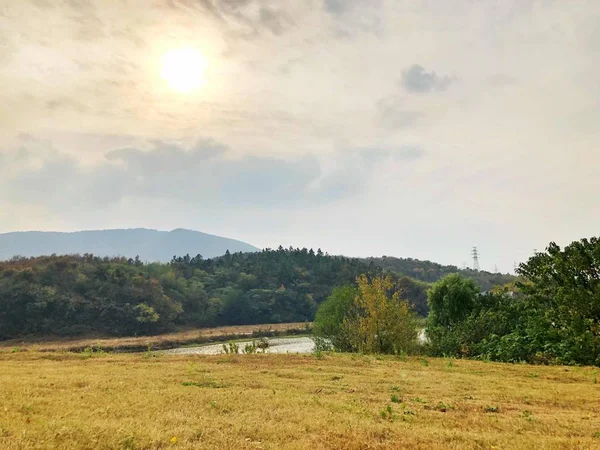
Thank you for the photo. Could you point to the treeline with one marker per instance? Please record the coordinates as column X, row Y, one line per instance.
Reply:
column 551, row 316
column 69, row 295
column 431, row 272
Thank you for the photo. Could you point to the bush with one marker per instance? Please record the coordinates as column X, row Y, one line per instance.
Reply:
column 368, row 319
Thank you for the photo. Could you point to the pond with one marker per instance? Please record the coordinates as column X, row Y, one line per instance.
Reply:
column 276, row 345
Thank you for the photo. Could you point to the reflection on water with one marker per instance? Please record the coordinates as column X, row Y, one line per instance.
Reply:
column 276, row 345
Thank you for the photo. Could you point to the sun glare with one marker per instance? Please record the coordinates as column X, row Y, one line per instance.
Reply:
column 183, row 69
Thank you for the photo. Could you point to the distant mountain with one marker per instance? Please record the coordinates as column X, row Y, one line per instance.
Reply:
column 149, row 245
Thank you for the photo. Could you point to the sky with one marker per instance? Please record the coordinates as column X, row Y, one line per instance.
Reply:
column 363, row 127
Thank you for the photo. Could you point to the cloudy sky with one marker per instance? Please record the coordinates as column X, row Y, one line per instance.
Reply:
column 364, row 127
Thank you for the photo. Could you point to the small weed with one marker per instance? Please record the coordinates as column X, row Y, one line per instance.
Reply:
column 450, row 363
column 318, row 354
column 128, row 443
column 15, row 350
column 250, row 348
column 396, row 399
column 595, row 379
column 263, row 343
column 533, row 375
column 402, row 357
column 149, row 353
column 387, row 413
column 492, row 409
column 419, row 400
column 231, row 348
column 91, row 351
column 203, row 384
column 597, row 435
column 395, row 389
column 442, row 407
column 527, row 415
column 424, row 363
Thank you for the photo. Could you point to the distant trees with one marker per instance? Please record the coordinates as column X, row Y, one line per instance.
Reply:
column 79, row 294
column 430, row 272
column 370, row 318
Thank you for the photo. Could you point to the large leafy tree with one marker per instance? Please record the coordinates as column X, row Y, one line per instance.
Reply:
column 563, row 286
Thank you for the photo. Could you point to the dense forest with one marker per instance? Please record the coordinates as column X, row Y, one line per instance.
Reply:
column 431, row 272
column 75, row 294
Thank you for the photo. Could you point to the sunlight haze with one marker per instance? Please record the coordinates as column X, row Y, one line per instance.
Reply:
column 403, row 128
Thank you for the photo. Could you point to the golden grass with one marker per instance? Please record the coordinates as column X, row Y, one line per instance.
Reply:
column 141, row 401
column 162, row 341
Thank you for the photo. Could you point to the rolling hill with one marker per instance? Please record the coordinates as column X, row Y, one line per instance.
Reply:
column 431, row 272
column 149, row 245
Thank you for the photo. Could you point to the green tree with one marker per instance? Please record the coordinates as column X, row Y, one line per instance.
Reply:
column 451, row 300
column 328, row 326
column 564, row 287
column 370, row 318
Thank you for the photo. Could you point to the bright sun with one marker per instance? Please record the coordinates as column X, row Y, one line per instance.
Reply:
column 183, row 69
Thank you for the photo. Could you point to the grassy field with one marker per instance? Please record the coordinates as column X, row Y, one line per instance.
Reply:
column 162, row 341
column 151, row 401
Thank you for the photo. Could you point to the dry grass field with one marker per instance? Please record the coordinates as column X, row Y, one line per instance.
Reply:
column 151, row 401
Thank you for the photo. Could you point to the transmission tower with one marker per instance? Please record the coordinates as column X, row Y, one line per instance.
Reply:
column 475, row 256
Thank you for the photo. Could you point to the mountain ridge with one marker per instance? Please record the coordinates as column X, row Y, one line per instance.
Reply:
column 149, row 244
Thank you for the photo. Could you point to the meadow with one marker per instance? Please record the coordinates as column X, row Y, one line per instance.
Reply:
column 151, row 400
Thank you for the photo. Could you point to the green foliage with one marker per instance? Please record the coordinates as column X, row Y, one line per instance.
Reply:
column 368, row 319
column 70, row 295
column 551, row 316
column 231, row 348
column 328, row 327
column 450, row 300
column 250, row 348
column 387, row 413
column 565, row 285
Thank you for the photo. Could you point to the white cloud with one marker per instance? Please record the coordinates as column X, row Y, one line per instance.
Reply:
column 510, row 145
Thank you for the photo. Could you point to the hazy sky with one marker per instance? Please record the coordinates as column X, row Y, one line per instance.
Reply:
column 405, row 128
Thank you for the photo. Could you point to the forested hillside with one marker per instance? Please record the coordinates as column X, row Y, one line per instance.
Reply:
column 430, row 272
column 81, row 294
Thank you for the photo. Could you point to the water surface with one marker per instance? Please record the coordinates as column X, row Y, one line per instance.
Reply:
column 276, row 345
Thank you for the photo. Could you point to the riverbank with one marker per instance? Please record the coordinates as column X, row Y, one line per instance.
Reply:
column 159, row 342
column 296, row 344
